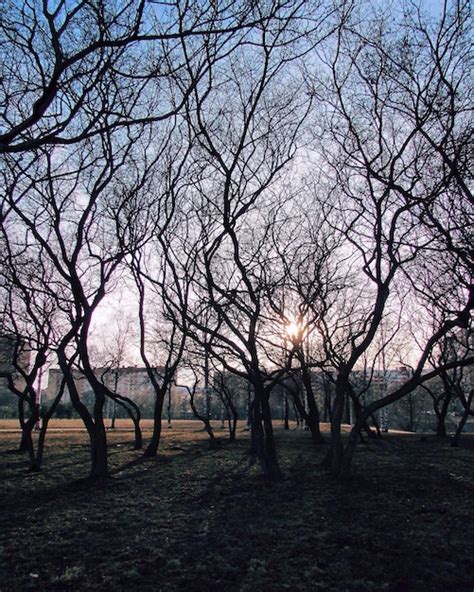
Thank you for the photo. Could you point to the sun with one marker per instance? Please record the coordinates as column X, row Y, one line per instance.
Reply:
column 293, row 329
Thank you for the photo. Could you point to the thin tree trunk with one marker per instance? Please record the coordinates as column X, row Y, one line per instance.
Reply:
column 44, row 427
column 213, row 442
column 462, row 423
column 441, row 417
column 313, row 411
column 114, row 415
column 297, row 415
column 133, row 412
column 233, row 418
column 23, row 446
column 254, row 423
column 358, row 408
column 333, row 460
column 152, row 448
column 286, row 423
column 28, row 430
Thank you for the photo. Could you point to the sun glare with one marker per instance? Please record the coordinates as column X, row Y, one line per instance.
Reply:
column 293, row 329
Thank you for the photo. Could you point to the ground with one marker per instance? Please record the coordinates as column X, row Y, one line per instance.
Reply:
column 200, row 520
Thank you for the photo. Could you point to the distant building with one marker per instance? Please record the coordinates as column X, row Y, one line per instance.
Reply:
column 240, row 390
column 412, row 412
column 8, row 402
column 132, row 382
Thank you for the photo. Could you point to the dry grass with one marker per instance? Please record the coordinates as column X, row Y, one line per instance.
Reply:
column 199, row 520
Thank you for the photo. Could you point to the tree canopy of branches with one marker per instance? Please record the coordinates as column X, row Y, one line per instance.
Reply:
column 283, row 189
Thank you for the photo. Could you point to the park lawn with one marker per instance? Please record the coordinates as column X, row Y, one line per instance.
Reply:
column 200, row 520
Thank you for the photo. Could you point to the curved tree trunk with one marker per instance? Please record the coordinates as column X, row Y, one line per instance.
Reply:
column 44, row 426
column 462, row 423
column 213, row 442
column 94, row 425
column 133, row 412
column 358, row 409
column 152, row 448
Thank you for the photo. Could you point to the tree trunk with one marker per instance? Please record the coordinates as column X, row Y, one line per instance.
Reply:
column 28, row 431
column 233, row 428
column 41, row 441
column 213, row 442
column 347, row 410
column 44, row 426
column 133, row 412
column 26, row 443
column 233, row 418
column 333, row 460
column 263, row 437
column 348, row 453
column 152, row 448
column 327, row 401
column 272, row 468
column 313, row 411
column 23, row 446
column 286, row 423
column 94, row 425
column 375, row 424
column 441, row 417
column 169, row 407
column 441, row 428
column 99, row 463
column 297, row 415
column 114, row 415
column 249, row 406
column 358, row 409
column 299, row 406
column 254, row 422
column 462, row 423
column 138, row 434
column 310, row 417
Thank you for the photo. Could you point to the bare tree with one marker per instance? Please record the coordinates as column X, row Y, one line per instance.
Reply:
column 396, row 122
column 27, row 322
column 115, row 357
column 195, row 363
column 164, row 341
column 246, row 128
column 88, row 67
column 70, row 211
column 109, row 359
column 227, row 397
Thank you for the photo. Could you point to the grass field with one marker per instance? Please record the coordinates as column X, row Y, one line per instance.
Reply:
column 200, row 520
